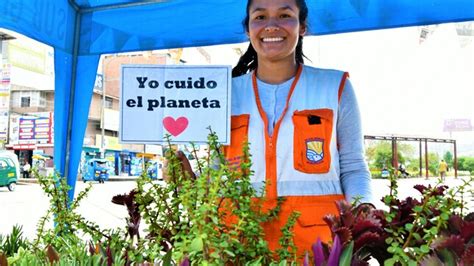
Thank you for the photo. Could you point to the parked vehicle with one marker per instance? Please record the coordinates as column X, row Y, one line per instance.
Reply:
column 96, row 170
column 9, row 170
column 153, row 168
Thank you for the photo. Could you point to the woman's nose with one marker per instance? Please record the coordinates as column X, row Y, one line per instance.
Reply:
column 271, row 26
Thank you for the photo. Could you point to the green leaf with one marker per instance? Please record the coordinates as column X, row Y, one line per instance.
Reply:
column 416, row 236
column 425, row 248
column 215, row 255
column 389, row 240
column 434, row 231
column 408, row 226
column 444, row 216
column 389, row 262
column 412, row 263
column 230, row 253
column 422, row 221
column 346, row 256
column 417, row 208
column 197, row 244
column 391, row 249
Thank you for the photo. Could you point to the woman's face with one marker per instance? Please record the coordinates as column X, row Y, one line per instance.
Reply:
column 274, row 28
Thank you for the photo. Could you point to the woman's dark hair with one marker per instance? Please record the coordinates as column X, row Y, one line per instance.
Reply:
column 248, row 61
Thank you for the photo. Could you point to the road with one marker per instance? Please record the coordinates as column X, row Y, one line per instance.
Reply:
column 28, row 203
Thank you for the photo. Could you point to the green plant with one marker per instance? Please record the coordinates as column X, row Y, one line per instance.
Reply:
column 425, row 230
column 466, row 163
column 434, row 230
column 213, row 218
column 64, row 243
column 11, row 243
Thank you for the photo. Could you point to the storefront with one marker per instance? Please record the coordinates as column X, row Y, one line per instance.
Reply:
column 124, row 162
column 25, row 153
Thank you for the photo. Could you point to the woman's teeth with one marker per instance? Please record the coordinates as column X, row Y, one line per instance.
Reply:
column 273, row 39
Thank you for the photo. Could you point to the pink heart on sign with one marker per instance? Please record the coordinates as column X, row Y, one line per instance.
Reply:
column 175, row 127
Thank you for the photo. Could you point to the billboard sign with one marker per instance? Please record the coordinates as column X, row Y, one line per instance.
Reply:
column 33, row 129
column 27, row 57
column 451, row 125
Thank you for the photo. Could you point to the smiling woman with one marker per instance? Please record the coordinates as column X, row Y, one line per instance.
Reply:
column 302, row 124
column 274, row 30
column 273, row 26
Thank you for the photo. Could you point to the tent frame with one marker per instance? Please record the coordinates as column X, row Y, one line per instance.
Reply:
column 81, row 31
column 421, row 140
column 110, row 7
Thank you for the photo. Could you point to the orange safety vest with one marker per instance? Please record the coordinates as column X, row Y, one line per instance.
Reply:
column 302, row 165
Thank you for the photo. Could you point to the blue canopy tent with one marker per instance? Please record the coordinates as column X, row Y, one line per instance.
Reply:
column 81, row 30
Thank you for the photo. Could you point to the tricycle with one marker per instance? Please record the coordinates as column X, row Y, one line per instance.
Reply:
column 96, row 170
column 153, row 170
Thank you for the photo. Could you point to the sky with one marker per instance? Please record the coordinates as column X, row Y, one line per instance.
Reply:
column 403, row 87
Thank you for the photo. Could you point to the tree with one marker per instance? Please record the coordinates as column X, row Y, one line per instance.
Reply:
column 380, row 153
column 468, row 164
column 433, row 161
column 413, row 165
column 448, row 158
column 461, row 163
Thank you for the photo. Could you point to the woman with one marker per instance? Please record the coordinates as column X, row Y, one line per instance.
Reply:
column 302, row 124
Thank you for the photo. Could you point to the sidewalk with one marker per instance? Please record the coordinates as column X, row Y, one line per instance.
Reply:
column 112, row 178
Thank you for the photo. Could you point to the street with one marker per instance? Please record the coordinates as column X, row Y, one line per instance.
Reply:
column 28, row 203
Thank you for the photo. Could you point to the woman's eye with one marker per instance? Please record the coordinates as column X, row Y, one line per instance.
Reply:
column 260, row 17
column 285, row 16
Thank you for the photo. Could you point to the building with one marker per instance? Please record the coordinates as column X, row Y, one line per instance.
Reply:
column 126, row 159
column 27, row 98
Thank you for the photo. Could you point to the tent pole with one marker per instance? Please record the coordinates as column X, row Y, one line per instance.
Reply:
column 455, row 165
column 421, row 158
column 426, row 159
column 74, row 6
column 71, row 105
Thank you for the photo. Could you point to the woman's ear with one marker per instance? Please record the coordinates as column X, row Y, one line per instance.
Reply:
column 303, row 29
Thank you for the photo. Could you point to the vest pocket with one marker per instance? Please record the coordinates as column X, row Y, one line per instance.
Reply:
column 239, row 127
column 313, row 214
column 311, row 140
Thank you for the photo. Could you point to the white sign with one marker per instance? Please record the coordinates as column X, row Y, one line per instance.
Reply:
column 182, row 101
column 154, row 149
column 111, row 119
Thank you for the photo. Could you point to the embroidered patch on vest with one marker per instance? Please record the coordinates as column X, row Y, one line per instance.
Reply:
column 314, row 150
